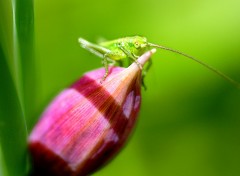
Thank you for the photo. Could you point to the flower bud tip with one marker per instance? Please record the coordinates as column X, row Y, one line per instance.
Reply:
column 146, row 56
column 153, row 50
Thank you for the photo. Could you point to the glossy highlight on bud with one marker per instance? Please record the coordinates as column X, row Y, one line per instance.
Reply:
column 87, row 123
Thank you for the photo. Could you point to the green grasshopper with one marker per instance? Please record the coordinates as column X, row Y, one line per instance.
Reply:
column 131, row 48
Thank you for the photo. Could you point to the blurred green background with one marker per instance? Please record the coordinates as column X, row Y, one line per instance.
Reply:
column 189, row 122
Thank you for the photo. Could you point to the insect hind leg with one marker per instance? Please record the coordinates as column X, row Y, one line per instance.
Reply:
column 111, row 62
column 105, row 61
column 105, row 64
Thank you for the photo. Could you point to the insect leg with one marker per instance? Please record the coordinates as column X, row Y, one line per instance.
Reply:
column 111, row 62
column 149, row 65
column 145, row 70
column 105, row 64
column 93, row 48
column 130, row 55
column 144, row 73
column 100, row 51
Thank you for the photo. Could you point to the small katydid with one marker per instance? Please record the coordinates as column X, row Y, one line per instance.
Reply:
column 131, row 48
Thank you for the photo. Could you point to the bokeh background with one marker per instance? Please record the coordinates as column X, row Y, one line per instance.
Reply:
column 189, row 122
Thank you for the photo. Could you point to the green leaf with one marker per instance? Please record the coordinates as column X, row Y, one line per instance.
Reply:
column 24, row 27
column 3, row 169
column 12, row 124
column 17, row 80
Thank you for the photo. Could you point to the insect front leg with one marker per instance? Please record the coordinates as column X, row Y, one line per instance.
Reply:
column 130, row 55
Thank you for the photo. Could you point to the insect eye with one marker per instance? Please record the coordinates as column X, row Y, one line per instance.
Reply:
column 136, row 44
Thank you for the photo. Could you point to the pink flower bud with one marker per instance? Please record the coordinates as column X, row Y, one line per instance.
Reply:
column 87, row 123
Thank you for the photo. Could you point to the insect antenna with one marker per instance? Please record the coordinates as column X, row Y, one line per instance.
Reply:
column 235, row 83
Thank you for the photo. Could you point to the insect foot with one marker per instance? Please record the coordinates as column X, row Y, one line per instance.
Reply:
column 87, row 123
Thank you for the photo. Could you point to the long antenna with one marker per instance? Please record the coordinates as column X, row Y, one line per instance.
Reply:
column 235, row 83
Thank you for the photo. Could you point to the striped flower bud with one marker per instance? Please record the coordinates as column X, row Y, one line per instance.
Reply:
column 87, row 123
